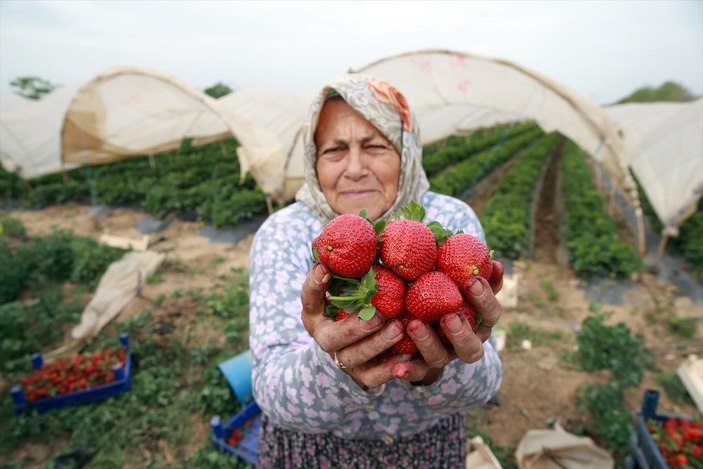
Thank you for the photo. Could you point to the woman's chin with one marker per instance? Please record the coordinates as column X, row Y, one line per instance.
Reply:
column 374, row 208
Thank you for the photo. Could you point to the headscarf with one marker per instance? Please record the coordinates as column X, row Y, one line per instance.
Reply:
column 386, row 109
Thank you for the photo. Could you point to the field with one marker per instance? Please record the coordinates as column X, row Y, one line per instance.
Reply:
column 192, row 314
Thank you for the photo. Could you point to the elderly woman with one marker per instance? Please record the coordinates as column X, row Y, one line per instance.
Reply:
column 330, row 393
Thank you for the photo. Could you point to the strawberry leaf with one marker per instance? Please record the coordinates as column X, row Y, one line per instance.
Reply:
column 441, row 234
column 413, row 211
column 331, row 311
column 367, row 313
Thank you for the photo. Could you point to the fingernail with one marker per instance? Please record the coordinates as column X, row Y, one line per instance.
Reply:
column 453, row 323
column 393, row 330
column 418, row 330
column 476, row 287
column 372, row 323
column 320, row 273
column 326, row 278
column 404, row 357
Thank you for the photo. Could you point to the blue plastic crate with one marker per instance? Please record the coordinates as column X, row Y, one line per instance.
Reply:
column 247, row 448
column 645, row 454
column 121, row 384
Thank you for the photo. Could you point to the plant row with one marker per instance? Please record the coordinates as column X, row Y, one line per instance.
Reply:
column 454, row 149
column 595, row 249
column 456, row 179
column 202, row 182
column 507, row 216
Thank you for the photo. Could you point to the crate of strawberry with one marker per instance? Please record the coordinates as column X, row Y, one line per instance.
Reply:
column 240, row 435
column 665, row 441
column 75, row 380
column 400, row 268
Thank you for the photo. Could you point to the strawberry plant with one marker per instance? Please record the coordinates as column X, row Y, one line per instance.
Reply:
column 457, row 179
column 507, row 217
column 189, row 182
column 455, row 149
column 595, row 249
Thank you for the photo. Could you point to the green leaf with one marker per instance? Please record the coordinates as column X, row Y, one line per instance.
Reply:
column 413, row 211
column 441, row 234
column 367, row 313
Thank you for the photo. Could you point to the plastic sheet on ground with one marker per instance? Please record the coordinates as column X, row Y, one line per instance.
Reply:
column 559, row 449
column 121, row 282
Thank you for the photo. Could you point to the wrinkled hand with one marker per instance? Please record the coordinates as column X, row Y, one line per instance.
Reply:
column 362, row 346
column 467, row 345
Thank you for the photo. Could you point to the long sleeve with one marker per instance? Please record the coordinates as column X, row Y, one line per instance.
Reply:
column 295, row 382
column 298, row 386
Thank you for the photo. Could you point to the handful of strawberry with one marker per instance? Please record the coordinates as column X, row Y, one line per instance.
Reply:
column 399, row 268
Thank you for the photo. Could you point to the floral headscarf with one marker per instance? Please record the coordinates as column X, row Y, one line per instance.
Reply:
column 386, row 109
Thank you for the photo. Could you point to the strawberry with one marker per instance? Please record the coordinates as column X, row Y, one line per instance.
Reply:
column 347, row 245
column 463, row 256
column 342, row 315
column 408, row 247
column 406, row 344
column 432, row 296
column 469, row 313
column 389, row 300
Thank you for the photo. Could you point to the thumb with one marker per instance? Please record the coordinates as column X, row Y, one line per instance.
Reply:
column 315, row 286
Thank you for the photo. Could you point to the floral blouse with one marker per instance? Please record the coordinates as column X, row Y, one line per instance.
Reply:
column 296, row 383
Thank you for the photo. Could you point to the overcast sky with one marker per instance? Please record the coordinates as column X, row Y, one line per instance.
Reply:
column 601, row 49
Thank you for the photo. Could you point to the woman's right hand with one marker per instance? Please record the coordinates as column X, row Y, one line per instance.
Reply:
column 362, row 347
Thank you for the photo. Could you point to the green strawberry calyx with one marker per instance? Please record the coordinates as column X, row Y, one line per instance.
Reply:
column 355, row 295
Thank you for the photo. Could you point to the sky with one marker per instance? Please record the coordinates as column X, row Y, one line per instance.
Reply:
column 601, row 49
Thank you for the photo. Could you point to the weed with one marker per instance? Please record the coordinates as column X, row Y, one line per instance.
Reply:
column 550, row 290
column 156, row 277
column 683, row 327
column 674, row 387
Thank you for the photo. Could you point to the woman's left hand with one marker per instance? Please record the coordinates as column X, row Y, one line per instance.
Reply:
column 467, row 344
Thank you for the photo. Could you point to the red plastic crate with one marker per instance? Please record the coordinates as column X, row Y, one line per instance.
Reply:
column 122, row 383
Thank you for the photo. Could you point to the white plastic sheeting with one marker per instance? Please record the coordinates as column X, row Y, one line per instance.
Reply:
column 452, row 92
column 269, row 121
column 129, row 111
column 666, row 149
column 30, row 132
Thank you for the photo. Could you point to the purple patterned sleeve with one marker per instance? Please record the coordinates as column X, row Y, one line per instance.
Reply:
column 297, row 384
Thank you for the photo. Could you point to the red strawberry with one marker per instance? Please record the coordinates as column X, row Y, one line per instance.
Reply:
column 406, row 344
column 347, row 245
column 469, row 313
column 408, row 248
column 463, row 256
column 432, row 296
column 378, row 290
column 389, row 300
column 341, row 315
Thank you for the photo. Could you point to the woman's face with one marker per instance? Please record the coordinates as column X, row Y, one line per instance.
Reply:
column 357, row 167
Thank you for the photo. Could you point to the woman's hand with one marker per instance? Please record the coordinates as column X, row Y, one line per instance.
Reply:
column 359, row 346
column 467, row 345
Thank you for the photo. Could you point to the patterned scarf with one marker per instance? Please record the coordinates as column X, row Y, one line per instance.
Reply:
column 386, row 109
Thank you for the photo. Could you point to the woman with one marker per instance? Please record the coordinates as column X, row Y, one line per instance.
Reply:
column 330, row 395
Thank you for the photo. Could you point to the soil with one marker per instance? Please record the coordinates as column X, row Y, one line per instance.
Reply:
column 537, row 388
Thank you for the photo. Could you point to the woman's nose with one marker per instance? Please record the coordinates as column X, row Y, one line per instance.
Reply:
column 356, row 163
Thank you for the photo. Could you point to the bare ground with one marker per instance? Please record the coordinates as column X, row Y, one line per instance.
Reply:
column 537, row 387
